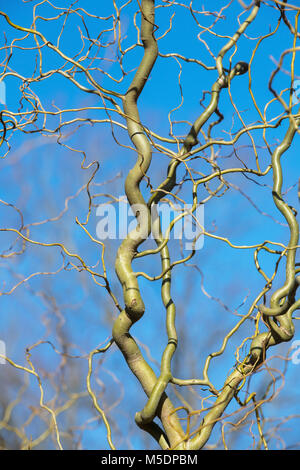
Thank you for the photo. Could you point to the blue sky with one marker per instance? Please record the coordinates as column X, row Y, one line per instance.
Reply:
column 38, row 174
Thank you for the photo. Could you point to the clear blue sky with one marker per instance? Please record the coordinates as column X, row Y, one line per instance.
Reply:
column 38, row 174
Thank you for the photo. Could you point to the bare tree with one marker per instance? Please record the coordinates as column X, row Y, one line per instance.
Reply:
column 82, row 79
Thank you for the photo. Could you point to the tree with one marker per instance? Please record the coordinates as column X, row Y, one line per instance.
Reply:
column 102, row 83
